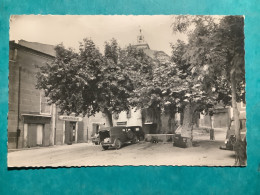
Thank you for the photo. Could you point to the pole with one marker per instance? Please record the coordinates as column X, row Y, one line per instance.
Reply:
column 18, row 108
column 87, row 134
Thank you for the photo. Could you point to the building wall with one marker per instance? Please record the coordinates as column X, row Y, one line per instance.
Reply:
column 13, row 98
column 132, row 119
column 148, row 117
column 29, row 96
column 60, row 128
column 222, row 116
column 90, row 122
column 204, row 121
column 80, row 136
column 221, row 119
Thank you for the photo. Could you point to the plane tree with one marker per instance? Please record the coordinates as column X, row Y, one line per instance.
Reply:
column 86, row 82
column 212, row 60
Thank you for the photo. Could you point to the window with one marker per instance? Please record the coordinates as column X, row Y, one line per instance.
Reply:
column 45, row 108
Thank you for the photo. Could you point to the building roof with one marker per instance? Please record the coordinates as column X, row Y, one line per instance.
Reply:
column 143, row 45
column 40, row 47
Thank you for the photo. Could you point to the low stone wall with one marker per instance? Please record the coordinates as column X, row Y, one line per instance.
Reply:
column 159, row 137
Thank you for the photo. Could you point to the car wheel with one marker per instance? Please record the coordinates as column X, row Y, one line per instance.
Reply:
column 105, row 147
column 118, row 144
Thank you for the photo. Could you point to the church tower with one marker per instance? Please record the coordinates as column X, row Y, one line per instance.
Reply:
column 141, row 43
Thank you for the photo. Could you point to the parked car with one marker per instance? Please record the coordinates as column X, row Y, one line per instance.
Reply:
column 138, row 132
column 230, row 137
column 96, row 137
column 119, row 135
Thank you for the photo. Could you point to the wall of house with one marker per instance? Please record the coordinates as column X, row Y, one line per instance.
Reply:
column 29, row 95
column 59, row 132
column 221, row 119
column 80, row 132
column 204, row 121
column 13, row 98
column 134, row 118
column 90, row 122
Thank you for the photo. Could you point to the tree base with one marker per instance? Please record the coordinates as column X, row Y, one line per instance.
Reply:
column 182, row 142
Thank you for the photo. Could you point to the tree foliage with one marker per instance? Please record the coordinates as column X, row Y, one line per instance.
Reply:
column 213, row 59
column 215, row 46
column 86, row 82
column 206, row 69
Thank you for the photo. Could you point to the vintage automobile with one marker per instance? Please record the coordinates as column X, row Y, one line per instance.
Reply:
column 96, row 138
column 230, row 137
column 120, row 135
column 138, row 132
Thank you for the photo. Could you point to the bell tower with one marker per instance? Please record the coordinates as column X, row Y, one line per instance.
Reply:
column 140, row 38
column 141, row 43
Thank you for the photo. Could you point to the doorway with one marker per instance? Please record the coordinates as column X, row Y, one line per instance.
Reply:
column 70, row 132
column 35, row 135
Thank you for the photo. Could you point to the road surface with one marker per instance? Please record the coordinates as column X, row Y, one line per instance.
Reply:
column 204, row 153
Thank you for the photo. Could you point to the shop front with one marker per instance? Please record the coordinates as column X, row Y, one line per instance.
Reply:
column 73, row 131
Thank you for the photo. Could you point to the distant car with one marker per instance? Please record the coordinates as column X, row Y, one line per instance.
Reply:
column 119, row 135
column 231, row 138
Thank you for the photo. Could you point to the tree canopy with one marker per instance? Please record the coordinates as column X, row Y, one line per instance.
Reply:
column 213, row 59
column 86, row 82
column 206, row 69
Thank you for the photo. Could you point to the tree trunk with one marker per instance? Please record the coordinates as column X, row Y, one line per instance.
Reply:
column 171, row 121
column 109, row 118
column 152, row 115
column 181, row 117
column 157, row 113
column 187, row 127
column 234, row 105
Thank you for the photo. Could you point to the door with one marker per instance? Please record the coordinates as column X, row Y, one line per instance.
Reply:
column 35, row 135
column 70, row 132
column 95, row 128
column 39, row 136
column 73, row 131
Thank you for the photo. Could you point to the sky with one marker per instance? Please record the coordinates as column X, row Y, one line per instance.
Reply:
column 72, row 29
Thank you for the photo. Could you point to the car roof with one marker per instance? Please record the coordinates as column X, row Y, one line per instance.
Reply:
column 104, row 129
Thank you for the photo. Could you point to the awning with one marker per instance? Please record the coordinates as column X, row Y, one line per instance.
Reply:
column 37, row 115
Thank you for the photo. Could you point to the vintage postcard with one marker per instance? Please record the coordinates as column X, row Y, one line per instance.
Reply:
column 117, row 90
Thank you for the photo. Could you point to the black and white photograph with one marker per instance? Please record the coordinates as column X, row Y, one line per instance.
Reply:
column 126, row 90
